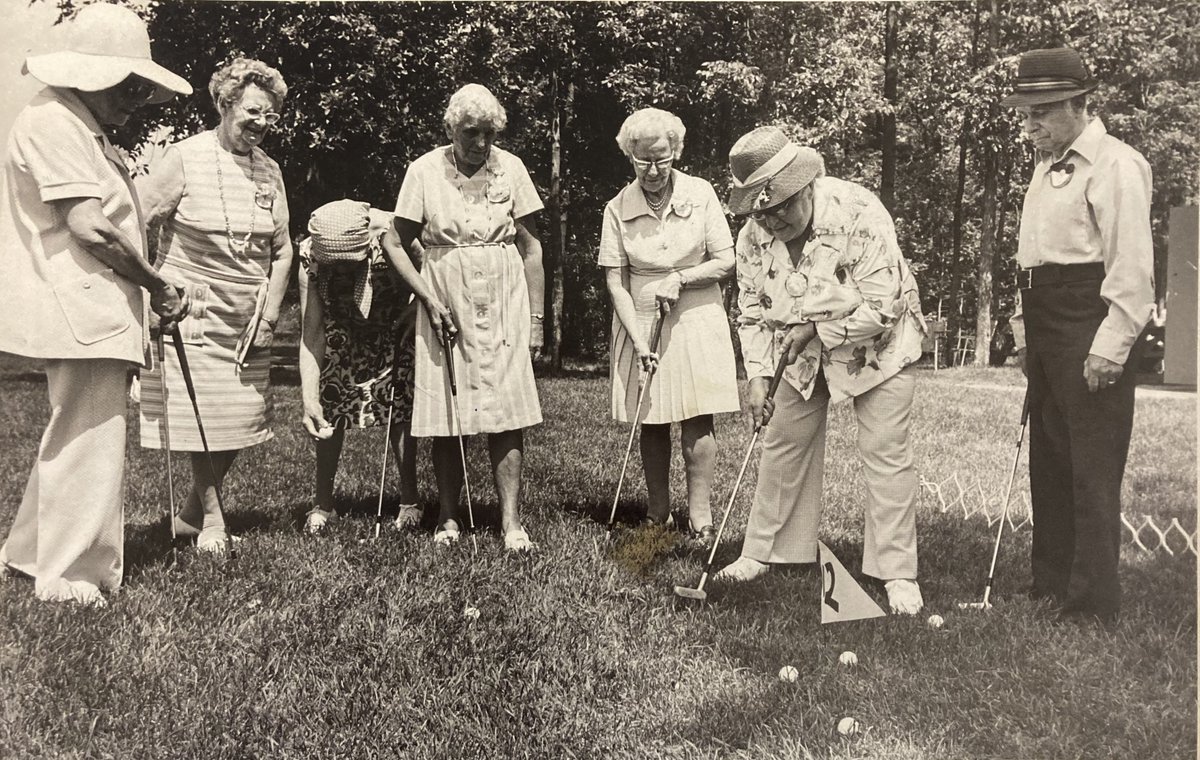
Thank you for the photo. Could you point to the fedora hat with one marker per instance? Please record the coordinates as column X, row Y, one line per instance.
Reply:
column 105, row 44
column 1048, row 76
column 767, row 169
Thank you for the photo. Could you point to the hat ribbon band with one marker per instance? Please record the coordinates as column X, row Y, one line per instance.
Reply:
column 776, row 164
column 1047, row 84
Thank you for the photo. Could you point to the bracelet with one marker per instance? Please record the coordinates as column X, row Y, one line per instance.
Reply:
column 270, row 322
column 538, row 317
column 682, row 279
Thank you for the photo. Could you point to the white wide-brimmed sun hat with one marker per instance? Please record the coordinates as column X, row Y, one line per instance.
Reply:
column 105, row 44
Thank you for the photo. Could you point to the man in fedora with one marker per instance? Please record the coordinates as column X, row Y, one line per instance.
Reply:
column 1086, row 292
column 72, row 248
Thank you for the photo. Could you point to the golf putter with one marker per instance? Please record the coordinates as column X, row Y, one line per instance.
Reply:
column 698, row 593
column 166, row 423
column 656, row 334
column 186, row 371
column 387, row 438
column 987, row 589
column 448, row 348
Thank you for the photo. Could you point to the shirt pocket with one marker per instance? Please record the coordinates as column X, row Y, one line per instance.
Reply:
column 95, row 306
column 191, row 328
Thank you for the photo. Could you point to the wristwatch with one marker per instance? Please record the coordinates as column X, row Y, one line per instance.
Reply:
column 538, row 317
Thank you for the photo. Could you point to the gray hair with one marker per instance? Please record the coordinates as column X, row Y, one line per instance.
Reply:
column 478, row 101
column 651, row 124
column 232, row 79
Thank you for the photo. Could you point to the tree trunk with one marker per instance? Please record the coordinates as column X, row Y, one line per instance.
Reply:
column 887, row 181
column 957, row 262
column 559, row 223
column 988, row 231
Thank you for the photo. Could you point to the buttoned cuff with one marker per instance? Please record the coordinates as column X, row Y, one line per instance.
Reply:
column 1112, row 344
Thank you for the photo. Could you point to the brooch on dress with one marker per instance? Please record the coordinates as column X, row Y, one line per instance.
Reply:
column 264, row 195
column 682, row 207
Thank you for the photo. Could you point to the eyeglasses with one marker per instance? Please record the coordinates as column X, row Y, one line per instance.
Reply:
column 270, row 117
column 662, row 165
column 137, row 89
column 774, row 211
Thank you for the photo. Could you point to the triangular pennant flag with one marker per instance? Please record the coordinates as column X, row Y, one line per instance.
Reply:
column 842, row 598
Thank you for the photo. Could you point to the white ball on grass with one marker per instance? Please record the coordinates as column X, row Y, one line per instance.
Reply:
column 788, row 674
column 471, row 613
column 847, row 726
column 849, row 659
column 935, row 622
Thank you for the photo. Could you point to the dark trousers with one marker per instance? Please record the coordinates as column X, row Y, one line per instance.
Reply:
column 1077, row 449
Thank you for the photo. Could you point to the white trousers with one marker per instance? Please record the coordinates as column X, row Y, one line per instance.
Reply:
column 788, row 498
column 68, row 532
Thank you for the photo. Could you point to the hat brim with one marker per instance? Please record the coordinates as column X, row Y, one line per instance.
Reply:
column 92, row 73
column 789, row 181
column 1018, row 99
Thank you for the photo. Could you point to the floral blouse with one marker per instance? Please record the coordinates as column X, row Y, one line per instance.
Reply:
column 851, row 280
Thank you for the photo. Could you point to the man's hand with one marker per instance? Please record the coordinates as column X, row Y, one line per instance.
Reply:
column 795, row 339
column 1021, row 353
column 761, row 407
column 667, row 293
column 171, row 304
column 1099, row 373
column 315, row 423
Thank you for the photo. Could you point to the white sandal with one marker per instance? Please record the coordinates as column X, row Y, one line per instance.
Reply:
column 316, row 520
column 517, row 540
column 216, row 541
column 408, row 516
column 446, row 535
column 742, row 569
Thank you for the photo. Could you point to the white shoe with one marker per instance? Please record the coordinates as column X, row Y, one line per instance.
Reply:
column 316, row 520
column 743, row 569
column 407, row 516
column 904, row 596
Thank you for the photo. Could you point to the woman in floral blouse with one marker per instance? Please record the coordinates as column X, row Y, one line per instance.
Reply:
column 823, row 283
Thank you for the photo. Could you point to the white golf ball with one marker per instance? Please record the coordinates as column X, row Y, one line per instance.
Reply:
column 849, row 659
column 788, row 674
column 470, row 612
column 847, row 726
column 935, row 622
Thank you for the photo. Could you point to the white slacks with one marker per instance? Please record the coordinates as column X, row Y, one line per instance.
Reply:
column 788, row 498
column 68, row 531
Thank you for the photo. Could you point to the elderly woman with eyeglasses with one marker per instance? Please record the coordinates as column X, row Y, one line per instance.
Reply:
column 472, row 205
column 665, row 246
column 217, row 216
column 823, row 284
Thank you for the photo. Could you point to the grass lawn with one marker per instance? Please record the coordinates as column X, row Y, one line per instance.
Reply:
column 302, row 647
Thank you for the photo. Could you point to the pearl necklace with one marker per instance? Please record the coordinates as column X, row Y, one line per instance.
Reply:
column 657, row 206
column 237, row 246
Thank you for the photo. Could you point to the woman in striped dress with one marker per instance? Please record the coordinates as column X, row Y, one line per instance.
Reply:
column 217, row 216
column 472, row 205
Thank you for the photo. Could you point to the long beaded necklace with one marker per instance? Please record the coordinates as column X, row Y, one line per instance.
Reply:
column 238, row 247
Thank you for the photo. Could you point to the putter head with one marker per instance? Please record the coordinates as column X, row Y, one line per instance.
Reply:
column 687, row 592
column 974, row 606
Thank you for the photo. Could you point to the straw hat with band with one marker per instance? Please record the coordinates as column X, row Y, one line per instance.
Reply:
column 342, row 231
column 1049, row 75
column 767, row 169
column 105, row 44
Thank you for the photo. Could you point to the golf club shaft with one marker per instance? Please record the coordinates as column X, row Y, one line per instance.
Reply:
column 987, row 589
column 775, row 379
column 166, row 423
column 387, row 441
column 656, row 333
column 191, row 391
column 448, row 346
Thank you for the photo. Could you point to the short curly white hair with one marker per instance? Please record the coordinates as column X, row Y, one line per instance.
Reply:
column 231, row 80
column 649, row 124
column 478, row 101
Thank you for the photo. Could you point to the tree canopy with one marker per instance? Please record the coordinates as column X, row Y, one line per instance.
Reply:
column 369, row 83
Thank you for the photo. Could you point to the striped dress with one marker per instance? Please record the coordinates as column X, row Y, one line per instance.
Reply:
column 225, row 283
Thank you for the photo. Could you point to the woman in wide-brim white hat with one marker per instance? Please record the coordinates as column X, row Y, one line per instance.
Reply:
column 74, row 268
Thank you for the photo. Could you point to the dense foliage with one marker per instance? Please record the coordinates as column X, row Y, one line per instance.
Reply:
column 369, row 82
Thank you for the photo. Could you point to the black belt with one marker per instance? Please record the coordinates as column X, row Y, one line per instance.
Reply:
column 1053, row 274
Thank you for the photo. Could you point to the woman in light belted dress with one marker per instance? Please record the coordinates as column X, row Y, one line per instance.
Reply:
column 217, row 215
column 666, row 246
column 471, row 204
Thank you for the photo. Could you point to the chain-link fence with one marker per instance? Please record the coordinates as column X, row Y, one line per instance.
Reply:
column 974, row 500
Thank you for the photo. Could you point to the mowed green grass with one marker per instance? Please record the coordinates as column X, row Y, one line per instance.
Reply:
column 329, row 647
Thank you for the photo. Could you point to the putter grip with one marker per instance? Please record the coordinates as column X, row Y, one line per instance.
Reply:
column 656, row 333
column 778, row 376
column 1025, row 408
column 448, row 348
column 184, row 370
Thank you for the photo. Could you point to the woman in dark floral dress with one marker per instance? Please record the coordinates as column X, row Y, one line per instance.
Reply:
column 356, row 343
